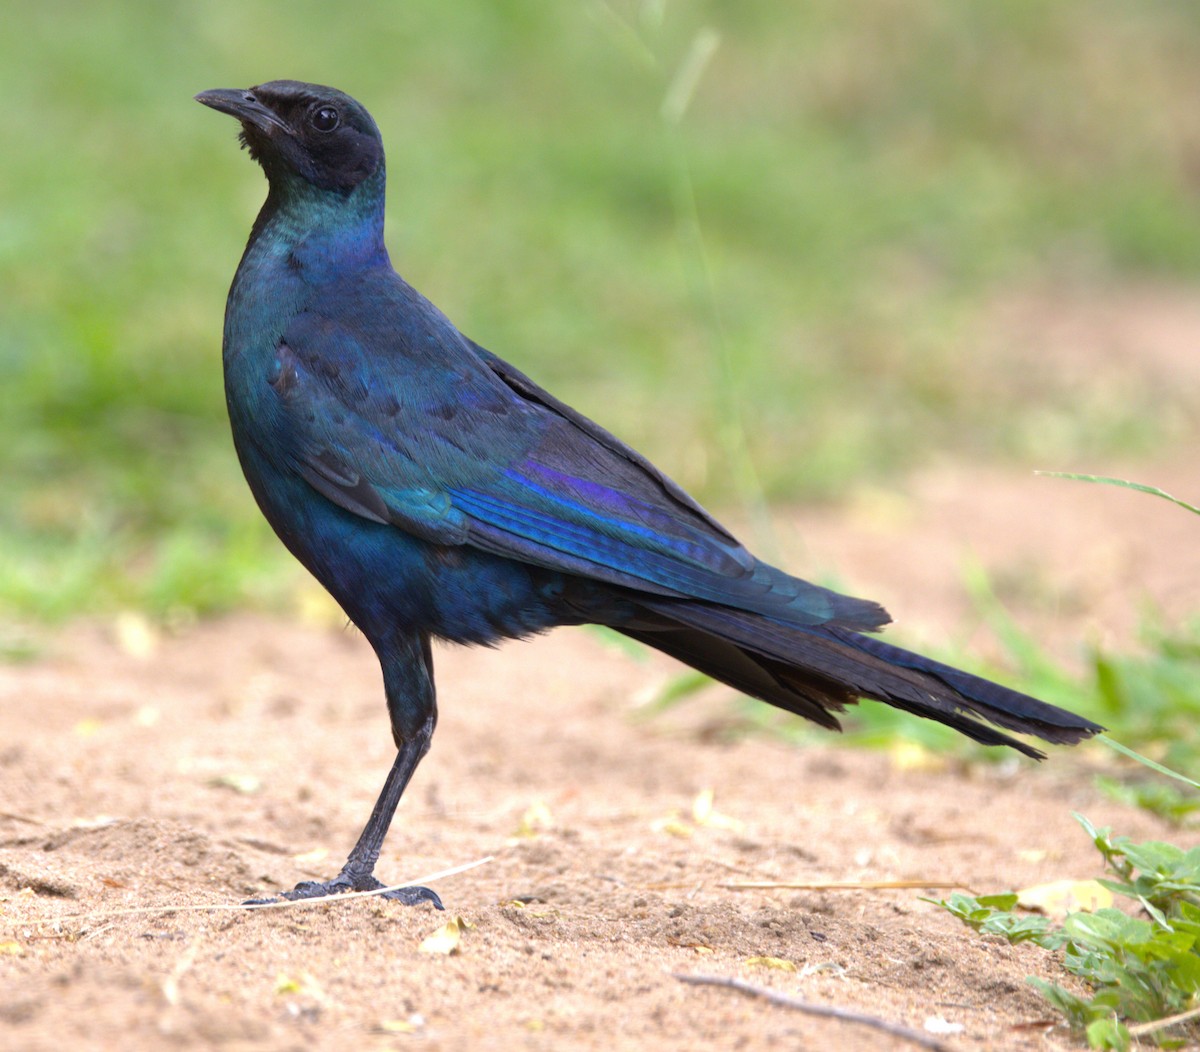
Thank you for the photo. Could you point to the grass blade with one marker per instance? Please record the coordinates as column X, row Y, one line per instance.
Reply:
column 1126, row 483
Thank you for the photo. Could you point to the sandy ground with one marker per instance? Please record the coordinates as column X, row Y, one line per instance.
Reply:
column 148, row 783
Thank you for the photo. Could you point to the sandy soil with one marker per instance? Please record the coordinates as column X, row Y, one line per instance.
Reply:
column 150, row 782
column 145, row 777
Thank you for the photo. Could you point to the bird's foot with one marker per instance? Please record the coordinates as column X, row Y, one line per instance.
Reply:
column 349, row 881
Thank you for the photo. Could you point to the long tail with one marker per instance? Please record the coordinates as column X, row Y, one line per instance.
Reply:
column 815, row 671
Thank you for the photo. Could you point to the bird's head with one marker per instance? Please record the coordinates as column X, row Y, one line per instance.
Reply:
column 294, row 129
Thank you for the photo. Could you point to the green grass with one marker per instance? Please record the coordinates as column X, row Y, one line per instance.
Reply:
column 1141, row 962
column 799, row 262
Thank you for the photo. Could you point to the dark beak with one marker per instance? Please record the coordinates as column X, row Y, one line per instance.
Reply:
column 242, row 104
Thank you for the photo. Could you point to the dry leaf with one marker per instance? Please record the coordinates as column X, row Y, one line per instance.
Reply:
column 87, row 727
column 285, row 984
column 147, row 716
column 445, row 940
column 937, row 1025
column 403, row 1026
column 910, row 756
column 1061, row 897
column 308, row 858
column 704, row 814
column 777, row 963
column 537, row 817
column 672, row 825
column 246, row 784
column 136, row 636
column 11, row 949
column 702, row 806
column 94, row 822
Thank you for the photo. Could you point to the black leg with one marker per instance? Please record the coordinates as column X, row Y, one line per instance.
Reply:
column 408, row 681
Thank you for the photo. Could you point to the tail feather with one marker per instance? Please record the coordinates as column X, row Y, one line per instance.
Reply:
column 750, row 673
column 815, row 671
column 1000, row 705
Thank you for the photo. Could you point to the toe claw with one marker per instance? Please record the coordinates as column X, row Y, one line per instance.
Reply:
column 412, row 896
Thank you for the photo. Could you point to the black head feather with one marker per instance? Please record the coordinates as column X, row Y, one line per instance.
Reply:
column 315, row 132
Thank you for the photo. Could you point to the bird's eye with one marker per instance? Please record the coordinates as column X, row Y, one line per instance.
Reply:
column 325, row 118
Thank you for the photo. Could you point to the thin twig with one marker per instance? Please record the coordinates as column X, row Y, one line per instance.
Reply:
column 808, row 1007
column 21, row 818
column 1162, row 1024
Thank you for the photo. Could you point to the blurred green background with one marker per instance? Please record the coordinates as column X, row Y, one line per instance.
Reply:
column 756, row 239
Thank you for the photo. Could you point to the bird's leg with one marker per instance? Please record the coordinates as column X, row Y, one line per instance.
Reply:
column 358, row 872
column 408, row 680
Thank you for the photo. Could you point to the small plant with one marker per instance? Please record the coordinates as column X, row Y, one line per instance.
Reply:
column 1142, row 969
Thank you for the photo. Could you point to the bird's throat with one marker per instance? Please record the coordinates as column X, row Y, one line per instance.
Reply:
column 319, row 234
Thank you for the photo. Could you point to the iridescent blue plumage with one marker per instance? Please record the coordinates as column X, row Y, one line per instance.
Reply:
column 436, row 491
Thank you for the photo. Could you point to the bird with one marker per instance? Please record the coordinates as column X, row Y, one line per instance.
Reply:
column 439, row 493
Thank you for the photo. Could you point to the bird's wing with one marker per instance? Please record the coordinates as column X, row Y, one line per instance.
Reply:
column 634, row 517
column 460, row 448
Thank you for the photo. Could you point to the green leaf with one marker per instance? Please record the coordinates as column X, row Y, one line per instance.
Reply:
column 1108, row 1033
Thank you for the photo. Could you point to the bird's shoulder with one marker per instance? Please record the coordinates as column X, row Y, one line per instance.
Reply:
column 384, row 351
